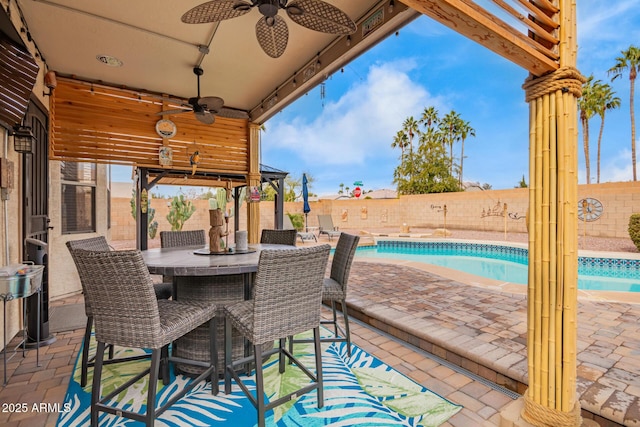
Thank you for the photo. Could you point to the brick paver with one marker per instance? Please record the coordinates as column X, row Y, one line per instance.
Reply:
column 484, row 330
column 455, row 321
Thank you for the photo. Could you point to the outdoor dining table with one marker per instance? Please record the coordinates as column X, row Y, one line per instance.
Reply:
column 220, row 279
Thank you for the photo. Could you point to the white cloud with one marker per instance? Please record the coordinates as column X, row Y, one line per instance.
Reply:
column 360, row 125
column 618, row 168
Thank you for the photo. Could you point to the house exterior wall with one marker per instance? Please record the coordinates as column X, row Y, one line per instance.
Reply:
column 63, row 276
column 63, row 279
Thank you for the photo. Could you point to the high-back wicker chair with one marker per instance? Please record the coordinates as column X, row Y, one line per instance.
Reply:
column 126, row 313
column 334, row 289
column 99, row 243
column 279, row 237
column 174, row 239
column 287, row 301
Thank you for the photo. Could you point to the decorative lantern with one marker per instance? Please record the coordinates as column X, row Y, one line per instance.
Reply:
column 23, row 139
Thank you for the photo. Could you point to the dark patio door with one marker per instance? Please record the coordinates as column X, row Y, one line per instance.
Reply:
column 35, row 203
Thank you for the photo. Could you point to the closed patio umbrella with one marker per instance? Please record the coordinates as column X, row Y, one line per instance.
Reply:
column 305, row 197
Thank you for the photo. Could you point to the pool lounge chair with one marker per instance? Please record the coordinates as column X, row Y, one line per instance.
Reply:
column 303, row 235
column 326, row 226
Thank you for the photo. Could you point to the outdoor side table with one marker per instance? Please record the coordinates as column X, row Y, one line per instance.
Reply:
column 21, row 282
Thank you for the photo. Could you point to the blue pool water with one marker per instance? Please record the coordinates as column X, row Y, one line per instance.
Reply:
column 506, row 263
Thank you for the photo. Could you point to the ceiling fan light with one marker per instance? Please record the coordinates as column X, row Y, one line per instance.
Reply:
column 269, row 8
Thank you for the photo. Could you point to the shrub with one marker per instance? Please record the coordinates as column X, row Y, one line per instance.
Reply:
column 634, row 229
column 297, row 220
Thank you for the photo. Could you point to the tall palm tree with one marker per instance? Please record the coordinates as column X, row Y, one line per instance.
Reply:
column 429, row 117
column 605, row 99
column 630, row 60
column 449, row 125
column 400, row 141
column 410, row 127
column 465, row 130
column 587, row 110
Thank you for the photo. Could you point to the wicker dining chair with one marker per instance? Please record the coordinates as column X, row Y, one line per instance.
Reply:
column 279, row 237
column 126, row 313
column 99, row 243
column 287, row 301
column 174, row 239
column 334, row 290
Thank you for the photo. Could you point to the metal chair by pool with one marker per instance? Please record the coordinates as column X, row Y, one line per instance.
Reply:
column 287, row 301
column 162, row 291
column 325, row 223
column 126, row 313
column 303, row 235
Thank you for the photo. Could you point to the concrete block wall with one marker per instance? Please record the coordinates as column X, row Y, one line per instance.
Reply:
column 473, row 210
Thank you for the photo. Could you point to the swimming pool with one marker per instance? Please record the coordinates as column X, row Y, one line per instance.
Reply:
column 506, row 263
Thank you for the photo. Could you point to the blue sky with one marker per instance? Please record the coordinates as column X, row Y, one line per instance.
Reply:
column 347, row 136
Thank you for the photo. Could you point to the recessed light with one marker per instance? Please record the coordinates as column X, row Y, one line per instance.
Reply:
column 111, row 61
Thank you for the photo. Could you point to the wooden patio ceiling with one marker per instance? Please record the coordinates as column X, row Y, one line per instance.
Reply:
column 525, row 32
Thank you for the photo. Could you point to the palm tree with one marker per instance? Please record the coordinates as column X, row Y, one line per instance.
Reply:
column 465, row 130
column 449, row 124
column 605, row 99
column 429, row 117
column 587, row 110
column 630, row 60
column 410, row 127
column 400, row 141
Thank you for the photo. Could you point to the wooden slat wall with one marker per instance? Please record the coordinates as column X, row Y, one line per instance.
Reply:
column 108, row 125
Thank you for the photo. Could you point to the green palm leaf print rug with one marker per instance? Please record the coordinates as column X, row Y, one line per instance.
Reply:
column 358, row 391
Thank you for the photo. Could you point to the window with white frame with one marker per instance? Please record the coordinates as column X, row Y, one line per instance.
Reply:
column 78, row 197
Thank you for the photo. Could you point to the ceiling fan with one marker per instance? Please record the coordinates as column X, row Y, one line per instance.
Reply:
column 271, row 29
column 205, row 109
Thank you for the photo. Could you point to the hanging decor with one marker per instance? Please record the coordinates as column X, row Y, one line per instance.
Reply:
column 194, row 159
column 166, row 128
column 165, row 155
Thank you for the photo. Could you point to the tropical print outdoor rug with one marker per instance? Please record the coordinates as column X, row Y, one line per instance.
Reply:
column 358, row 391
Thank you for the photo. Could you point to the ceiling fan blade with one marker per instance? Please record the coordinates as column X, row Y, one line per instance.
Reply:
column 320, row 16
column 205, row 117
column 272, row 38
column 177, row 111
column 211, row 103
column 216, row 10
column 232, row 113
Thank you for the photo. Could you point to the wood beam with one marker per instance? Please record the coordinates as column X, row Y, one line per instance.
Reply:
column 484, row 28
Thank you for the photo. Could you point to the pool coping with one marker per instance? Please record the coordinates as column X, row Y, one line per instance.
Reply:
column 502, row 286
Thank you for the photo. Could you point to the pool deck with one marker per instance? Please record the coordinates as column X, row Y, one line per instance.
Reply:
column 480, row 324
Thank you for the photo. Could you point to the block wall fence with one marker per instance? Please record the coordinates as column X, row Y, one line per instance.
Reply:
column 471, row 210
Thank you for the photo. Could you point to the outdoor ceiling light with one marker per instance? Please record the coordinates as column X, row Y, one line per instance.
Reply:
column 111, row 61
column 23, row 139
